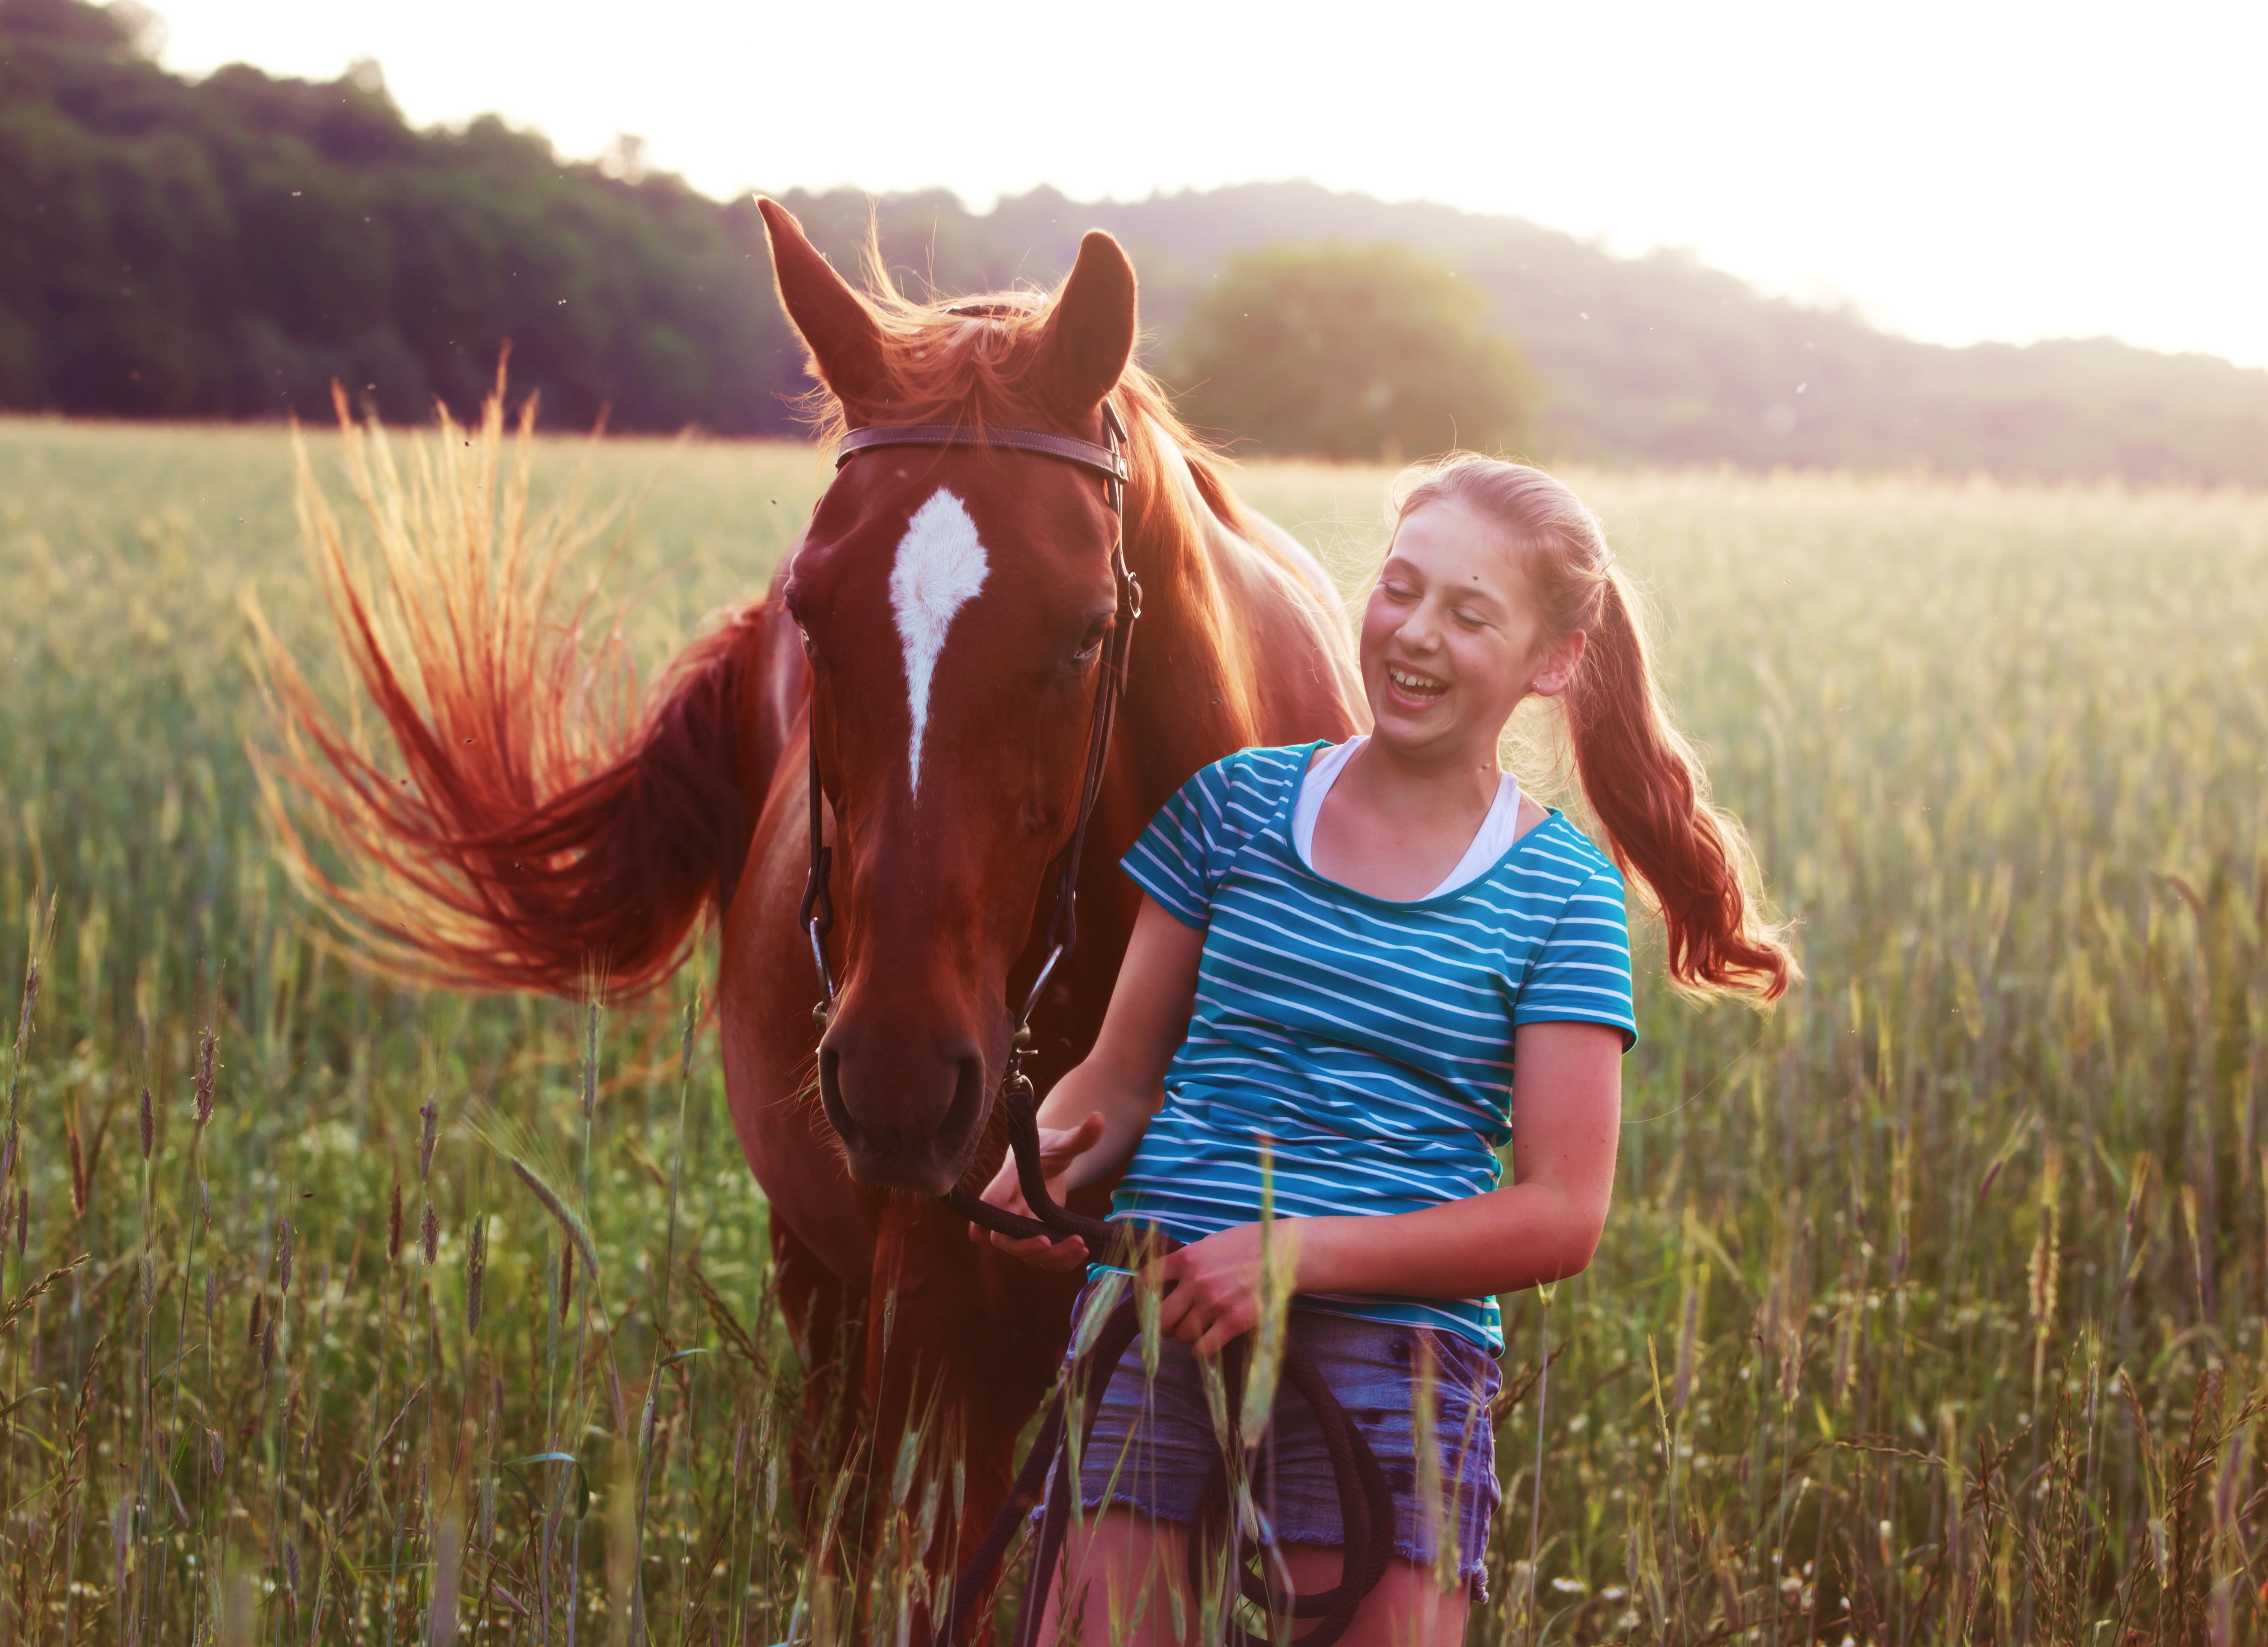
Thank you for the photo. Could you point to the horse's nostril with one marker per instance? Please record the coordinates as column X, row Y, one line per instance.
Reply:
column 964, row 1120
column 830, row 1093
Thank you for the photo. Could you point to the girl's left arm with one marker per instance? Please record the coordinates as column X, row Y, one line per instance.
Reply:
column 1566, row 1105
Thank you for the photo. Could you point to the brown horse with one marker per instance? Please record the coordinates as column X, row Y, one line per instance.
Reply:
column 938, row 634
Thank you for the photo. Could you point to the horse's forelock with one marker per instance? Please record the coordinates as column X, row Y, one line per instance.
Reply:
column 978, row 368
column 982, row 369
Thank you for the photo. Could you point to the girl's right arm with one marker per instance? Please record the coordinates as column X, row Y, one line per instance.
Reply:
column 1090, row 1123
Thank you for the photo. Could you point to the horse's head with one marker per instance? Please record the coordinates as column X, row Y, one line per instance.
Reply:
column 954, row 603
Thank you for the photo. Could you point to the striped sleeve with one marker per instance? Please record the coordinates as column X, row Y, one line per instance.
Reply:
column 1583, row 974
column 1176, row 858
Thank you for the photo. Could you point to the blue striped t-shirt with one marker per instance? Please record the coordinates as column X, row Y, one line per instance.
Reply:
column 1365, row 1045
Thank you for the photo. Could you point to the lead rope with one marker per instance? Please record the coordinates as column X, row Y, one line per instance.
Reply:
column 1367, row 1504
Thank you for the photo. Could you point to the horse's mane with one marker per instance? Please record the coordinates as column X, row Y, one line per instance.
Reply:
column 973, row 369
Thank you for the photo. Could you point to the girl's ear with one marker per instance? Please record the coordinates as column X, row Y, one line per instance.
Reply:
column 1558, row 669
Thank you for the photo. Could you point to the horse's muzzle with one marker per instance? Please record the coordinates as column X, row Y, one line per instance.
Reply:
column 907, row 1121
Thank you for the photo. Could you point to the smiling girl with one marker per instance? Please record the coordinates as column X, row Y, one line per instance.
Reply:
column 1361, row 970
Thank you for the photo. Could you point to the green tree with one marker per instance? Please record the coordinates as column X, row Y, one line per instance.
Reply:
column 1351, row 351
column 231, row 246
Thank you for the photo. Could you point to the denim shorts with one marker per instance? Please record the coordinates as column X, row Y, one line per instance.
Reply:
column 1153, row 1448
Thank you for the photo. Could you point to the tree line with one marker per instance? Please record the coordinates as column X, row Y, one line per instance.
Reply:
column 228, row 248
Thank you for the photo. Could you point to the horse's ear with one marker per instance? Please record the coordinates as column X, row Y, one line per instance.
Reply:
column 844, row 338
column 1091, row 334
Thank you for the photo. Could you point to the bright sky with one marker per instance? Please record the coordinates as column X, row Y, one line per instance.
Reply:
column 1976, row 169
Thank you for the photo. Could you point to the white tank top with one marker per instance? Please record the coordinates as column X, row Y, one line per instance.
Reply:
column 1497, row 831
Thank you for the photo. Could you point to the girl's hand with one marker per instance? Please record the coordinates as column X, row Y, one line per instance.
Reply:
column 1058, row 1149
column 1214, row 1284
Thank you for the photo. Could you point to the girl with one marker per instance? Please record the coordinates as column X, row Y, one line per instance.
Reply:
column 1376, row 965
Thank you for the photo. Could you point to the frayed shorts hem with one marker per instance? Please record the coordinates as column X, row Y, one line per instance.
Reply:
column 1472, row 1572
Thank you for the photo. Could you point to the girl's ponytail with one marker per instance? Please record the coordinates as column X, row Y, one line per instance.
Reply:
column 1642, row 778
column 1647, row 790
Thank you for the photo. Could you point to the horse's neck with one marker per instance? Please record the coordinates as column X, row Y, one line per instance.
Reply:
column 1272, row 554
column 1240, row 644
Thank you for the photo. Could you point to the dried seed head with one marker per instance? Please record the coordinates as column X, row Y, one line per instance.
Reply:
column 149, row 1125
column 394, row 1227
column 477, row 1263
column 283, row 1257
column 212, row 1437
column 31, row 999
column 252, row 1330
column 430, row 1115
column 291, row 1566
column 615, row 1390
column 429, row 1231
column 2137, row 1193
column 2047, row 1256
column 207, row 1046
column 568, row 1221
column 1688, row 1330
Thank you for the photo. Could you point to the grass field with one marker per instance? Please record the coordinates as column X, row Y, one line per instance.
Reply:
column 1930, row 1310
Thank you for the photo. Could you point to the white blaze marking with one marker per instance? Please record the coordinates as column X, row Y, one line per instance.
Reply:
column 939, row 569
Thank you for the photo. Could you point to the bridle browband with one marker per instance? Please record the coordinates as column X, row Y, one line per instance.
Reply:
column 1366, row 1500
column 1105, row 459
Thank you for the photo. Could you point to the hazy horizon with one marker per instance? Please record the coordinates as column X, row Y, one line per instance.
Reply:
column 1959, row 173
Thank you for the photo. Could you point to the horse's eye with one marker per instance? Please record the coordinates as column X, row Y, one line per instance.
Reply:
column 1095, row 634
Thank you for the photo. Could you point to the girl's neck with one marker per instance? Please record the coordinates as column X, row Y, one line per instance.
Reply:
column 1423, row 787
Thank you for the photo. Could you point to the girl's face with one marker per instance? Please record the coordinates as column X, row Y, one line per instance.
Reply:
column 1453, row 638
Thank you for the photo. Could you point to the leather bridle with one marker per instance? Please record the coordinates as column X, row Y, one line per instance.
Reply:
column 817, row 913
column 1366, row 1500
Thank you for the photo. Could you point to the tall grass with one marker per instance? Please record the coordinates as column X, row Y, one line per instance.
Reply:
column 1930, row 1310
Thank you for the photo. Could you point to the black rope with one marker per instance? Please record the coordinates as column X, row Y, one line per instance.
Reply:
column 1366, row 1502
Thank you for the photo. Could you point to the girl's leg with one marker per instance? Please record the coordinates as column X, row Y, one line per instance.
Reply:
column 1119, row 1581
column 1121, row 1571
column 1407, row 1609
